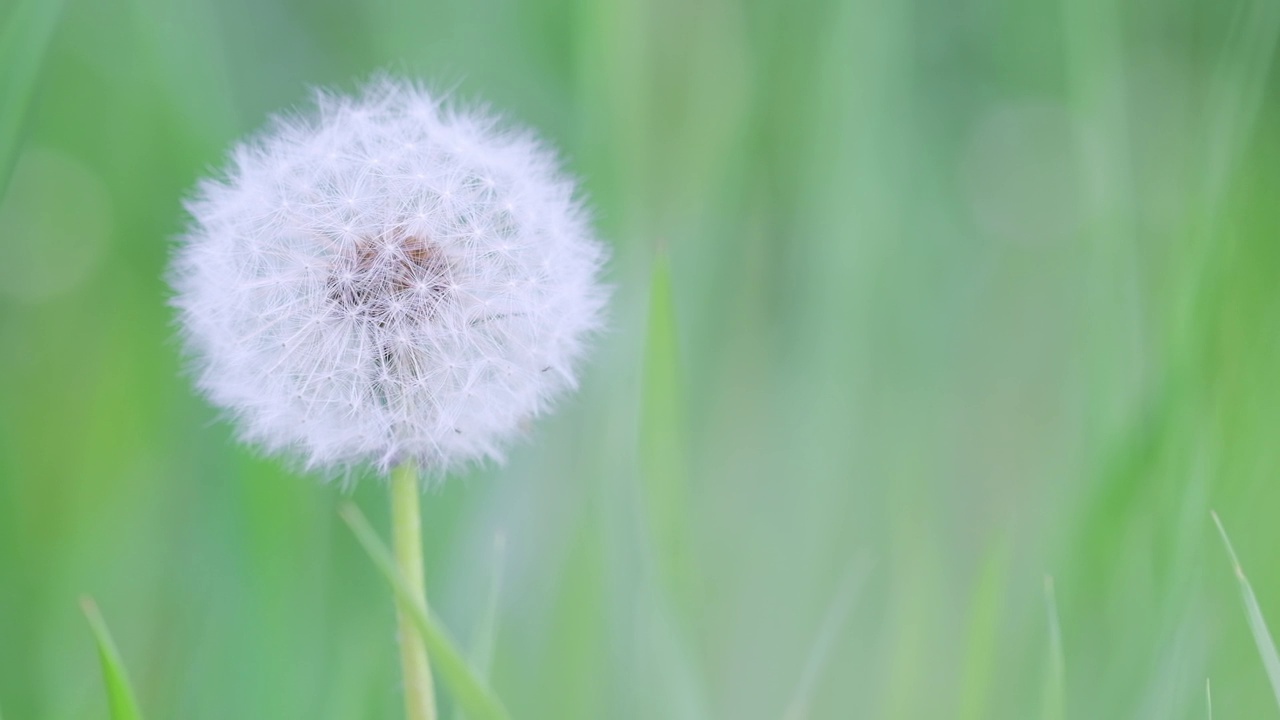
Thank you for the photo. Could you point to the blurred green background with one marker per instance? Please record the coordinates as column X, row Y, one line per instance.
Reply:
column 964, row 295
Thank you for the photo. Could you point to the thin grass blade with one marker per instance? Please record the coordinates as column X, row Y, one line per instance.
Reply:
column 665, row 487
column 486, row 631
column 1257, row 624
column 1208, row 698
column 120, row 697
column 472, row 694
column 981, row 647
column 1238, row 89
column 1055, row 701
column 662, row 451
column 829, row 633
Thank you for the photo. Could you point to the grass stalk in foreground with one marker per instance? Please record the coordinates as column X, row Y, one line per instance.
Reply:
column 406, row 523
column 473, row 695
column 1257, row 624
column 120, row 697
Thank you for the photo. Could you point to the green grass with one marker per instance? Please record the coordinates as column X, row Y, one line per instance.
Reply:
column 485, row 635
column 966, row 295
column 120, row 697
column 1257, row 624
column 829, row 633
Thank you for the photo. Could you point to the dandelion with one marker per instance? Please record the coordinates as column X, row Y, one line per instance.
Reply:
column 388, row 282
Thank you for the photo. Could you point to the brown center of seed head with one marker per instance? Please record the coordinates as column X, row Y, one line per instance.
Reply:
column 390, row 278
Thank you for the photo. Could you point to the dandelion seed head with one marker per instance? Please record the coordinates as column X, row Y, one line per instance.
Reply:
column 387, row 279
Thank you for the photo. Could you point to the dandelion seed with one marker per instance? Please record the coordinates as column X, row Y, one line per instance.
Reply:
column 387, row 280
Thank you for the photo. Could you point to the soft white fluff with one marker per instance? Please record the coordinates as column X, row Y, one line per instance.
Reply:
column 387, row 279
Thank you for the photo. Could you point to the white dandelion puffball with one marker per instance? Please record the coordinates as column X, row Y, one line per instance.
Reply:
column 387, row 280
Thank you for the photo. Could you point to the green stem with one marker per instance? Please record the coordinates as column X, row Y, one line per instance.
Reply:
column 406, row 524
column 473, row 695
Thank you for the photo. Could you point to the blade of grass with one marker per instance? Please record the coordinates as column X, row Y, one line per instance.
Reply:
column 832, row 627
column 665, row 485
column 472, row 694
column 662, row 451
column 1208, row 698
column 120, row 697
column 1257, row 624
column 1238, row 88
column 487, row 633
column 487, row 628
column 1055, row 683
column 24, row 42
column 984, row 623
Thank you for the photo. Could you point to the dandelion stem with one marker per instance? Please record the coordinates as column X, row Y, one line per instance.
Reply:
column 474, row 696
column 406, row 522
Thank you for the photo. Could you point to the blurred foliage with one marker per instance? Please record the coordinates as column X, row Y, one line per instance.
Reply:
column 979, row 292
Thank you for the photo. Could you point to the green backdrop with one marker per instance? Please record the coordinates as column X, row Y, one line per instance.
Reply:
column 963, row 296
